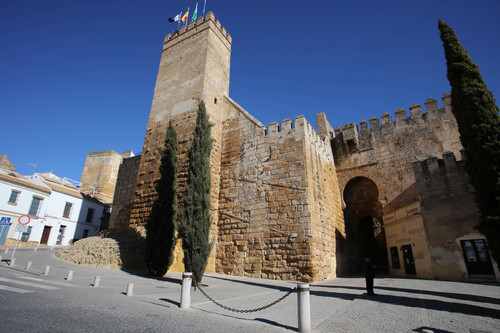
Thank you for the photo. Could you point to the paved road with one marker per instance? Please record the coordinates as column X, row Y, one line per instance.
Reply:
column 31, row 301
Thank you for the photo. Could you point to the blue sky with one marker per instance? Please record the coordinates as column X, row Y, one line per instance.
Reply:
column 78, row 76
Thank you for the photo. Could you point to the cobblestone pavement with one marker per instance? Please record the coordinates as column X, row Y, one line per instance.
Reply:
column 338, row 305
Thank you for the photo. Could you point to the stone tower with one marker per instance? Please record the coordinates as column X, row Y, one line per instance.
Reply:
column 100, row 172
column 194, row 66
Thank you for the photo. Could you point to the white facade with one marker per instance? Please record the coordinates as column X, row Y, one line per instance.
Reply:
column 14, row 206
column 62, row 226
column 62, row 210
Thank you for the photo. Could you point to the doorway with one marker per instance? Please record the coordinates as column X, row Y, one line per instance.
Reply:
column 371, row 241
column 408, row 260
column 60, row 235
column 45, row 235
column 365, row 233
column 477, row 258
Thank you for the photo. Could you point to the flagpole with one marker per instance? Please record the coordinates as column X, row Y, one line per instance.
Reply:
column 179, row 22
column 187, row 18
column 204, row 6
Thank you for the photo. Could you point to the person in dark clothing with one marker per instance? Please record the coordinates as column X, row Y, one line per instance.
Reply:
column 369, row 269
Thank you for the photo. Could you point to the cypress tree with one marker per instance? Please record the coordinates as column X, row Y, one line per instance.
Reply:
column 195, row 215
column 161, row 226
column 479, row 126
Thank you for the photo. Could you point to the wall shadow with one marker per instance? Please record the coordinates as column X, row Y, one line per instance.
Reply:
column 438, row 305
column 458, row 296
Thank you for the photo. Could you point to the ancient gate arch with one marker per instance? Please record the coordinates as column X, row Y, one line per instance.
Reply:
column 363, row 217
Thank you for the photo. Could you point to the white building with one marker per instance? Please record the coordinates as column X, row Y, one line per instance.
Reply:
column 19, row 196
column 63, row 209
column 59, row 213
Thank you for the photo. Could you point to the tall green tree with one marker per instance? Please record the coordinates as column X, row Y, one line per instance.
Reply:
column 479, row 126
column 195, row 214
column 161, row 226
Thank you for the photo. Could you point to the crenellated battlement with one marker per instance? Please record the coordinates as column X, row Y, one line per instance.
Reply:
column 441, row 177
column 400, row 115
column 399, row 133
column 199, row 23
column 434, row 167
column 298, row 128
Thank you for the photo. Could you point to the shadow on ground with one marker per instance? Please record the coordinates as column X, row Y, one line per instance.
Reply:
column 431, row 304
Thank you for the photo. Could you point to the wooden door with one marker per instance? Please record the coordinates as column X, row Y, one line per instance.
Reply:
column 45, row 235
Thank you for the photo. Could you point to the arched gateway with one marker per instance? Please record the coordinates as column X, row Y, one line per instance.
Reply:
column 364, row 225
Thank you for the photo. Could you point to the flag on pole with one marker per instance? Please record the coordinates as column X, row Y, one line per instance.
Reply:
column 175, row 19
column 204, row 6
column 185, row 17
column 195, row 14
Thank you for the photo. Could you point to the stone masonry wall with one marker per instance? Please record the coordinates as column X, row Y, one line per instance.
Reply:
column 100, row 172
column 448, row 212
column 124, row 192
column 325, row 204
column 267, row 215
column 385, row 153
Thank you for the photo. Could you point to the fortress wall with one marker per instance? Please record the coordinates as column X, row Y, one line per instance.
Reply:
column 124, row 192
column 385, row 152
column 448, row 212
column 325, row 203
column 268, row 218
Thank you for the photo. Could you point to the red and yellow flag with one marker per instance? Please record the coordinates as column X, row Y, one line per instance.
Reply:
column 185, row 16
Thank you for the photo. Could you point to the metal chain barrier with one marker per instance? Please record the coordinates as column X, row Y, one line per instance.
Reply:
column 249, row 310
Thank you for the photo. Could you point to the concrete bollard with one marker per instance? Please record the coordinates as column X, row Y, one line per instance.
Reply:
column 6, row 250
column 304, row 307
column 97, row 280
column 51, row 248
column 12, row 262
column 186, row 290
column 70, row 276
column 28, row 266
column 35, row 249
column 0, row 258
column 47, row 270
column 130, row 289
